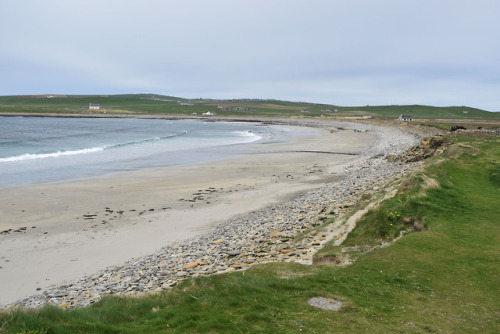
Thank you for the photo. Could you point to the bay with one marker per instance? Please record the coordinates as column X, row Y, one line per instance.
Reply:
column 50, row 149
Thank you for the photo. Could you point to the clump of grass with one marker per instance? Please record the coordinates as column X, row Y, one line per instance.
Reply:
column 387, row 221
column 394, row 216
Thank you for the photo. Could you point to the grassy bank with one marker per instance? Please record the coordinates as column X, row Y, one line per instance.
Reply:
column 443, row 277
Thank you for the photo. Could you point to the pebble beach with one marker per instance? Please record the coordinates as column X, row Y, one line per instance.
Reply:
column 263, row 235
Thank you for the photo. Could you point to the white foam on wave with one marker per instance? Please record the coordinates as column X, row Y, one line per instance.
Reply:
column 250, row 136
column 243, row 136
column 57, row 154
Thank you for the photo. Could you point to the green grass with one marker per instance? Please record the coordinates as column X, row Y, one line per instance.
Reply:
column 446, row 124
column 441, row 280
column 167, row 105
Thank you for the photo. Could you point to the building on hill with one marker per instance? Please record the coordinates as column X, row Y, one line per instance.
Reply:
column 188, row 104
column 405, row 118
column 94, row 106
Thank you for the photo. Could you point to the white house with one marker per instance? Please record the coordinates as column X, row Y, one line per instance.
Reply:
column 209, row 113
column 405, row 118
column 94, row 106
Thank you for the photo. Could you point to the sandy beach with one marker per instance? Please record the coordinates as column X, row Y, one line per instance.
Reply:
column 58, row 232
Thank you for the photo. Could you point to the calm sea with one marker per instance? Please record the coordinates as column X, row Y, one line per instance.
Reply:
column 44, row 149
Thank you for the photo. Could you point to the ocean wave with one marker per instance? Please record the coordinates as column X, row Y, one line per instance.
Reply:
column 249, row 134
column 58, row 154
column 147, row 140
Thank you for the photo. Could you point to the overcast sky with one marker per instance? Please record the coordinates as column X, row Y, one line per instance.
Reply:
column 343, row 52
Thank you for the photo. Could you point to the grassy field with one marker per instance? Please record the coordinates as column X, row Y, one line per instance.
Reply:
column 140, row 104
column 442, row 279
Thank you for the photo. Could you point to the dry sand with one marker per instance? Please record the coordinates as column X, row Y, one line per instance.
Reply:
column 71, row 229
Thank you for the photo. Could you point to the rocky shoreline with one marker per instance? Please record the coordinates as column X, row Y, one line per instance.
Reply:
column 265, row 235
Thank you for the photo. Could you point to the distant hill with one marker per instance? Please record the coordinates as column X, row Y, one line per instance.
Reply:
column 171, row 105
column 425, row 111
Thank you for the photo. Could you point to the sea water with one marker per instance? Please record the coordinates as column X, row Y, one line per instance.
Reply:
column 47, row 149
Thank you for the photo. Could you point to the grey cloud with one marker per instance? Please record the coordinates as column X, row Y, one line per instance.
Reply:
column 341, row 52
